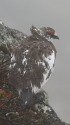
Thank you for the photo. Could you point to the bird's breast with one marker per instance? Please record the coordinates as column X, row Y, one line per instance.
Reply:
column 31, row 71
column 50, row 60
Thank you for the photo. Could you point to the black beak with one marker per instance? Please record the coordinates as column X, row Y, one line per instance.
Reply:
column 56, row 37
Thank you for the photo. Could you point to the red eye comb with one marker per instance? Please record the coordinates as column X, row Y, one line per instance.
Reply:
column 51, row 32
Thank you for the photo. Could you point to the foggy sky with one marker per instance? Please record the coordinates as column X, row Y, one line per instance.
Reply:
column 21, row 14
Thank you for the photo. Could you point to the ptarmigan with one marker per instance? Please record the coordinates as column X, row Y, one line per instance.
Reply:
column 32, row 62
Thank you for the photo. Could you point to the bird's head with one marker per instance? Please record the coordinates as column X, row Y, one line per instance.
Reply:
column 44, row 33
column 51, row 33
column 48, row 33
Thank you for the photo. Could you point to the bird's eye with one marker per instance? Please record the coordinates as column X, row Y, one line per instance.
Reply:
column 50, row 32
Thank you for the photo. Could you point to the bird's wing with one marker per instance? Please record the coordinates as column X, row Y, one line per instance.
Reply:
column 33, row 61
